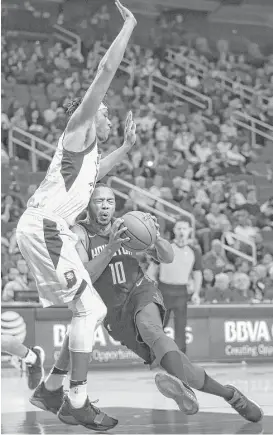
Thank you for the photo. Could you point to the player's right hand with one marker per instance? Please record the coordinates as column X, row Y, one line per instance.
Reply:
column 125, row 13
column 116, row 239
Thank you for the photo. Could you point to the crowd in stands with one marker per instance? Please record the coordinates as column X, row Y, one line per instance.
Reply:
column 199, row 161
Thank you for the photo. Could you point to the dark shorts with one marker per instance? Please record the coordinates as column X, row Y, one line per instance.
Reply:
column 120, row 321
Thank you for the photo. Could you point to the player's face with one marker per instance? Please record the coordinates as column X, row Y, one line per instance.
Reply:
column 102, row 206
column 103, row 124
column 182, row 232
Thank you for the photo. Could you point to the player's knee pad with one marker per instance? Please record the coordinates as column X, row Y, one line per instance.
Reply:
column 88, row 312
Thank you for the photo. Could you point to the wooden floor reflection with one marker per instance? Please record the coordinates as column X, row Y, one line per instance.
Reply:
column 132, row 397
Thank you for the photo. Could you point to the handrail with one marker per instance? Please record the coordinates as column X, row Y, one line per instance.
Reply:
column 34, row 140
column 252, row 258
column 179, row 90
column 256, row 120
column 67, row 35
column 246, row 92
column 252, row 126
column 174, row 208
column 185, row 61
column 13, row 140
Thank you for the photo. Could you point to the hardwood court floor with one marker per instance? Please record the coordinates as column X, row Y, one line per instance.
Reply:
column 132, row 397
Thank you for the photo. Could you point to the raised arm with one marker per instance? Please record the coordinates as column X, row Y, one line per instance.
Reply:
column 118, row 155
column 85, row 113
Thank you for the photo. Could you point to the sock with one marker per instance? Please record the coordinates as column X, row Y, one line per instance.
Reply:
column 213, row 387
column 78, row 393
column 30, row 357
column 172, row 363
column 55, row 379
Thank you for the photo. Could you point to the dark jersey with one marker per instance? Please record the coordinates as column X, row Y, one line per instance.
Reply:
column 123, row 275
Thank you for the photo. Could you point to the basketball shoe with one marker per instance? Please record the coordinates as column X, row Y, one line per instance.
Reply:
column 88, row 416
column 35, row 372
column 175, row 389
column 245, row 407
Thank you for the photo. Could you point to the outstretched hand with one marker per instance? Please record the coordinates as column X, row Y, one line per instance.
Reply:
column 156, row 224
column 130, row 130
column 125, row 13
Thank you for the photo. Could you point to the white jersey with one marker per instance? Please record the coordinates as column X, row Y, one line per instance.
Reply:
column 69, row 182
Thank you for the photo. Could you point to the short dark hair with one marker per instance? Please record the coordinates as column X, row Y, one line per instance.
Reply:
column 98, row 185
column 72, row 105
column 183, row 219
column 102, row 185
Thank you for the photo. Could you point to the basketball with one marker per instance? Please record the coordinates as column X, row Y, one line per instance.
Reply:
column 141, row 230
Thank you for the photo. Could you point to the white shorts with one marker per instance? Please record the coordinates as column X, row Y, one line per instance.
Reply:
column 48, row 246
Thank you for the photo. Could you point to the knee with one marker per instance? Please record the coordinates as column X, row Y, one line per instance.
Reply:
column 89, row 304
column 88, row 312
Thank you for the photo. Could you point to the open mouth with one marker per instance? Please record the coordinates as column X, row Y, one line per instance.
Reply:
column 104, row 215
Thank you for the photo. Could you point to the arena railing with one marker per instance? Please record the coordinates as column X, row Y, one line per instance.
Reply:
column 19, row 137
column 250, row 123
column 239, row 118
column 184, row 92
column 228, row 240
column 171, row 212
column 246, row 92
column 68, row 37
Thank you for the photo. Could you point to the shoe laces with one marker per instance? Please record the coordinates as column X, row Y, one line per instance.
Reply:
column 97, row 410
column 238, row 401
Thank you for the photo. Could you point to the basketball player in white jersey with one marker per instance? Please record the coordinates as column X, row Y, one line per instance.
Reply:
column 46, row 241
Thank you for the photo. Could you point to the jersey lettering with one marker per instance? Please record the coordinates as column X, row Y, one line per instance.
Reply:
column 118, row 273
column 121, row 277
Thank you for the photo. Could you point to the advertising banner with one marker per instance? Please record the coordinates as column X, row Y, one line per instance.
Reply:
column 213, row 334
column 19, row 322
column 50, row 334
column 241, row 338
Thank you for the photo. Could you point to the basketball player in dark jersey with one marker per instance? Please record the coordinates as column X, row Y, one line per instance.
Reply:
column 136, row 312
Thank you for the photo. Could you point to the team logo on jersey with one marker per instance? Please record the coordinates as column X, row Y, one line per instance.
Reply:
column 70, row 278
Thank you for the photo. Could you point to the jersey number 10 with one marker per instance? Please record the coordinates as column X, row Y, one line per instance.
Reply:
column 118, row 274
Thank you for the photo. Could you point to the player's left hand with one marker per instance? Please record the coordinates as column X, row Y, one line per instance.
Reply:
column 195, row 299
column 130, row 130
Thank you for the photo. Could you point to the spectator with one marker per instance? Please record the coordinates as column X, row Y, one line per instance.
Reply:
column 6, row 209
column 220, row 292
column 208, row 280
column 50, row 114
column 215, row 259
column 55, row 89
column 218, row 222
column 32, row 106
column 19, row 119
column 16, row 282
column 244, row 227
column 140, row 200
column 240, row 287
column 192, row 80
